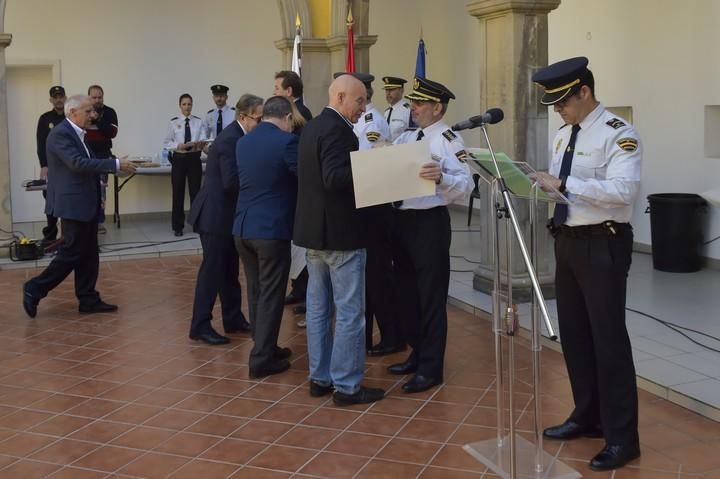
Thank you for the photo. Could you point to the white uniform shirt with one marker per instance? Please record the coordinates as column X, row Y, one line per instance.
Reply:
column 448, row 148
column 605, row 174
column 228, row 116
column 398, row 119
column 371, row 127
column 176, row 131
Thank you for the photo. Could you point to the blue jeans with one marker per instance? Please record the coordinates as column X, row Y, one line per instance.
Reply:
column 336, row 277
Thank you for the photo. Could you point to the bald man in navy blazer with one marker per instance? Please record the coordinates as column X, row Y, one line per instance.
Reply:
column 73, row 194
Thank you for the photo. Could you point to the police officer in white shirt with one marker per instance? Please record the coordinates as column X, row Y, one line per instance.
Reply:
column 222, row 115
column 422, row 237
column 397, row 114
column 185, row 139
column 596, row 161
column 371, row 127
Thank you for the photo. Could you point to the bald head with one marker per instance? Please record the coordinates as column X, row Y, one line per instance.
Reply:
column 348, row 96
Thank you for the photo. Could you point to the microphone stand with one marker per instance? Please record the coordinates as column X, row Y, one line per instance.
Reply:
column 493, row 452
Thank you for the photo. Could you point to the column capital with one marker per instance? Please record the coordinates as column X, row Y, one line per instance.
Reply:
column 485, row 8
column 5, row 40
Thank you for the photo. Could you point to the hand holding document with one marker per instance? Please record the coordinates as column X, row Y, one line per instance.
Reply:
column 384, row 175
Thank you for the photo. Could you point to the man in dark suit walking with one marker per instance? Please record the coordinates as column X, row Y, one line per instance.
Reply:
column 267, row 167
column 329, row 226
column 74, row 196
column 211, row 214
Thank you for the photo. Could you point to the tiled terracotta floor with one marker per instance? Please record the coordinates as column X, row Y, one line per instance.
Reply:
column 127, row 395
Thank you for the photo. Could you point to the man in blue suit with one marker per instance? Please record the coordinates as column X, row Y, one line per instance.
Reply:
column 263, row 228
column 211, row 214
column 73, row 194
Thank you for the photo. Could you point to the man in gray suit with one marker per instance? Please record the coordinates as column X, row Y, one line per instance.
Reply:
column 73, row 195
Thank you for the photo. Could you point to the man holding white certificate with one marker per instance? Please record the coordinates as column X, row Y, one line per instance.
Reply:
column 422, row 237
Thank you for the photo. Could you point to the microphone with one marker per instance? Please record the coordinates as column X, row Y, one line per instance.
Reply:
column 490, row 117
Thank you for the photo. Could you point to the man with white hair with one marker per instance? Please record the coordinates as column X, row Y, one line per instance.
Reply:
column 74, row 196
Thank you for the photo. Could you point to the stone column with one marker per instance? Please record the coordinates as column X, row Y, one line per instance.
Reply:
column 324, row 56
column 5, row 210
column 513, row 45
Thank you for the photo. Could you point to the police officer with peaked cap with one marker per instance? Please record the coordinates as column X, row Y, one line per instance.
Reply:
column 421, row 243
column 397, row 114
column 221, row 115
column 596, row 160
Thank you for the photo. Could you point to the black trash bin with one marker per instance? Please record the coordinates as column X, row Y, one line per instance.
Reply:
column 677, row 222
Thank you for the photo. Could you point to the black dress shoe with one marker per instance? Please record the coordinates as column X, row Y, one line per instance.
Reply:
column 282, row 353
column 240, row 328
column 318, row 390
column 276, row 366
column 178, row 232
column 30, row 302
column 99, row 307
column 294, row 298
column 571, row 430
column 211, row 337
column 362, row 396
column 420, row 383
column 382, row 350
column 613, row 457
column 408, row 367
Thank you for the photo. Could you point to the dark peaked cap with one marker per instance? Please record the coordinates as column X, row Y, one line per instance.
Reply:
column 219, row 89
column 393, row 82
column 428, row 90
column 562, row 78
column 366, row 78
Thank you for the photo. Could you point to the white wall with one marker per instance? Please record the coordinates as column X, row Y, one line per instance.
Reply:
column 658, row 56
column 145, row 53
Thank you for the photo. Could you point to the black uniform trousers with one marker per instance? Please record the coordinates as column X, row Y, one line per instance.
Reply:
column 592, row 265
column 421, row 261
column 267, row 266
column 78, row 253
column 379, row 284
column 218, row 274
column 50, row 231
column 184, row 166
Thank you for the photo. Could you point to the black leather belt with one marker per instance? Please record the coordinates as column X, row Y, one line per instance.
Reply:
column 606, row 228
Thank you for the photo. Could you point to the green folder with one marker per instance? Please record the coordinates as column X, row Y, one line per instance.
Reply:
column 515, row 174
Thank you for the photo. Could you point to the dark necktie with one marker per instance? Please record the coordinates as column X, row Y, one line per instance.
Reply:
column 561, row 209
column 188, row 136
column 398, row 204
column 389, row 115
column 219, row 122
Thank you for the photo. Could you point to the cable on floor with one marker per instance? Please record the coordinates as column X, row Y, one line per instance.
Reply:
column 679, row 329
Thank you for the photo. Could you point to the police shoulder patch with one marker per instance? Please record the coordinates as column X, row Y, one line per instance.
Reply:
column 449, row 135
column 615, row 123
column 462, row 155
column 211, row 110
column 627, row 144
column 372, row 136
column 368, row 117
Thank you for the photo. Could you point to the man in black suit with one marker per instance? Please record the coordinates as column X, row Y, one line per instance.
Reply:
column 267, row 168
column 329, row 226
column 211, row 214
column 74, row 196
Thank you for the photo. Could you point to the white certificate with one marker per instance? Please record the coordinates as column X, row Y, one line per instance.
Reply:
column 390, row 173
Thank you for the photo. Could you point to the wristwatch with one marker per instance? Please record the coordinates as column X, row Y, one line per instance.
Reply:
column 563, row 180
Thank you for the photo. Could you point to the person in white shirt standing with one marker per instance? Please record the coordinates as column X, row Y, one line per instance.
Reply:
column 185, row 140
column 596, row 162
column 421, row 244
column 397, row 114
column 222, row 115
